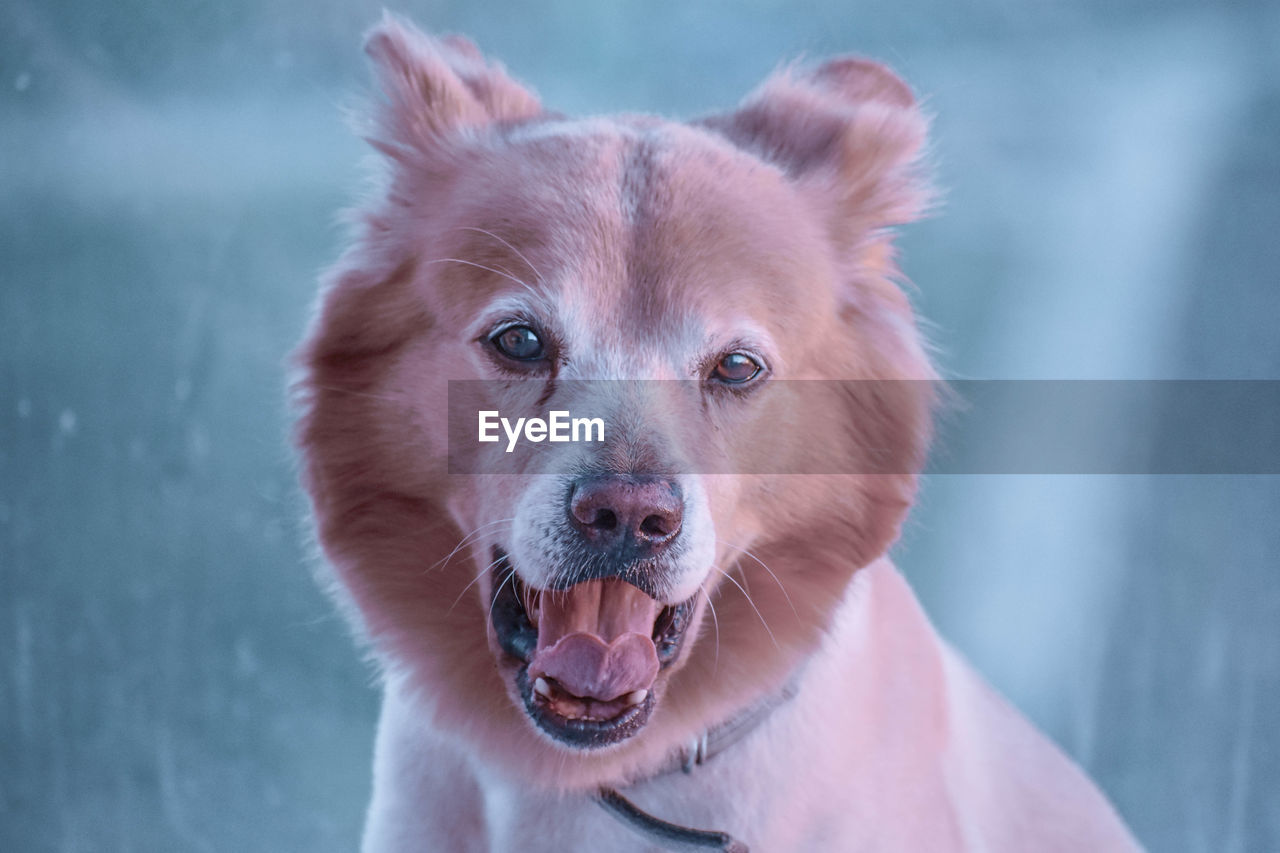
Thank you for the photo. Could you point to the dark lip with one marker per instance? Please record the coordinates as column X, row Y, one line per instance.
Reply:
column 518, row 638
column 582, row 734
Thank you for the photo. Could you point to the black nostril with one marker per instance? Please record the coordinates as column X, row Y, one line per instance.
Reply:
column 655, row 526
column 605, row 519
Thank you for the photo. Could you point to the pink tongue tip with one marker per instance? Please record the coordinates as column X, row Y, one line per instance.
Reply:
column 584, row 665
column 594, row 639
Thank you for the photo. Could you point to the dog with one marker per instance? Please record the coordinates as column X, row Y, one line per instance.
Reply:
column 685, row 635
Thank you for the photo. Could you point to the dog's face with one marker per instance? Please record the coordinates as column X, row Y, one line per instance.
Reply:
column 618, row 595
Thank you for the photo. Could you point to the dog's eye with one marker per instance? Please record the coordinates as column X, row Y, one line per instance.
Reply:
column 519, row 342
column 736, row 368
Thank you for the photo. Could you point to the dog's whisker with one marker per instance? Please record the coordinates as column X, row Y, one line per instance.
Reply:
column 764, row 566
column 528, row 598
column 507, row 275
column 742, row 573
column 747, row 595
column 503, row 270
column 436, row 524
column 510, row 574
column 519, row 254
column 472, row 583
column 462, row 542
column 715, row 620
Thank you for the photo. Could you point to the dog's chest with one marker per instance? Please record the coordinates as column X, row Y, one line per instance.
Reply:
column 521, row 820
column 749, row 792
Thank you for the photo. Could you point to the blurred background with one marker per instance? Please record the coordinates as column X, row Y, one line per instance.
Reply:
column 171, row 678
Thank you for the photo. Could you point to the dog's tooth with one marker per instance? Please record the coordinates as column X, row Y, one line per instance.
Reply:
column 635, row 697
column 541, row 687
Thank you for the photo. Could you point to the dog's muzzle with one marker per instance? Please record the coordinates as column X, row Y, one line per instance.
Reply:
column 588, row 655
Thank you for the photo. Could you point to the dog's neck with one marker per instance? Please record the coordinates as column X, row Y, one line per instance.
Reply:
column 719, row 738
column 702, row 749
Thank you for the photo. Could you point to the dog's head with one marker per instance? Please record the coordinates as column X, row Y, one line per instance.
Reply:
column 578, row 614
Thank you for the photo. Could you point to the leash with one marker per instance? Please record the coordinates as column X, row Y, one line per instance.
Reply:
column 703, row 748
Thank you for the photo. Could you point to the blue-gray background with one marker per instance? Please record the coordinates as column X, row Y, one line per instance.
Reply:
column 170, row 679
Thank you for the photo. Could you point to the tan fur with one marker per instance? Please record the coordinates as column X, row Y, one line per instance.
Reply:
column 648, row 244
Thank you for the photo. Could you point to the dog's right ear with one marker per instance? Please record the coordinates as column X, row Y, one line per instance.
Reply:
column 434, row 89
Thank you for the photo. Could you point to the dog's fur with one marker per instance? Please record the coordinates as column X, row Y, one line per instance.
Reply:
column 648, row 247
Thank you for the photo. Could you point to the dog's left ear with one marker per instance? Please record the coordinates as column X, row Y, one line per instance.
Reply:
column 850, row 134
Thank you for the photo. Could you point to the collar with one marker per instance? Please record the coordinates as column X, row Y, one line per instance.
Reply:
column 699, row 751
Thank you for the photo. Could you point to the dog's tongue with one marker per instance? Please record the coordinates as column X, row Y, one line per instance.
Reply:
column 595, row 639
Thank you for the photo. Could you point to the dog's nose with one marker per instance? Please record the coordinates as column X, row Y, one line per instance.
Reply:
column 635, row 516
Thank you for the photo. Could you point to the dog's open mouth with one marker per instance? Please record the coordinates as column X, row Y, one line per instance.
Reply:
column 589, row 655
